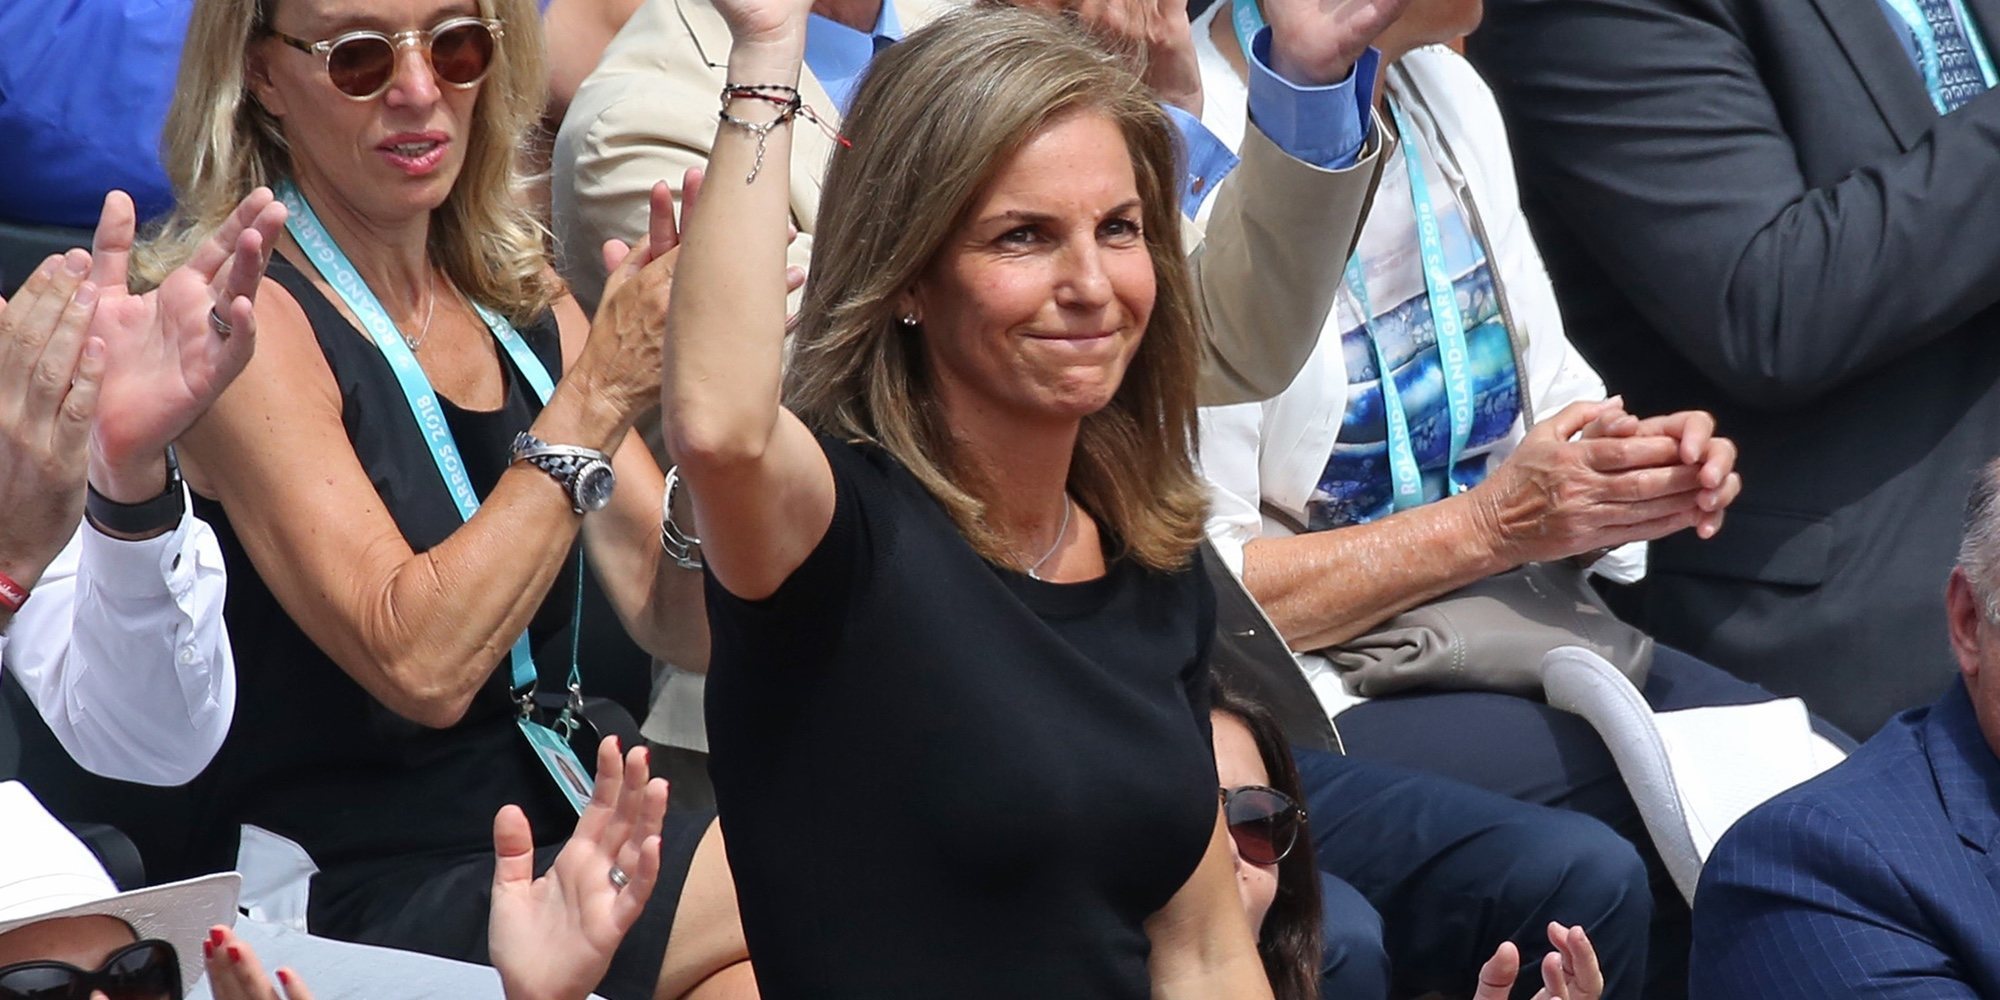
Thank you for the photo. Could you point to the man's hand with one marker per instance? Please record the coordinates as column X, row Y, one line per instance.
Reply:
column 1315, row 43
column 1152, row 36
column 168, row 360
column 51, row 372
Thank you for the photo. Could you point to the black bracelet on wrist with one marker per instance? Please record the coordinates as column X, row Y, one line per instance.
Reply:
column 145, row 518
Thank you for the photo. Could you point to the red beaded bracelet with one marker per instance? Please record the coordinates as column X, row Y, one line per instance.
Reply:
column 12, row 595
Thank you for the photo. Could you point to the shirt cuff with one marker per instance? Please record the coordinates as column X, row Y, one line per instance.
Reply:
column 1209, row 159
column 1324, row 126
column 142, row 569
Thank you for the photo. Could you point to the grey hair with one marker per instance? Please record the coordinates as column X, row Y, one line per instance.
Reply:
column 1979, row 548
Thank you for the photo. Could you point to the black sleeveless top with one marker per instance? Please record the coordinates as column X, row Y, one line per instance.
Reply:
column 941, row 778
column 313, row 756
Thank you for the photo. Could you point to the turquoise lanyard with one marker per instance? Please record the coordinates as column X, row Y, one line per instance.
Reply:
column 333, row 264
column 1927, row 47
column 1454, row 358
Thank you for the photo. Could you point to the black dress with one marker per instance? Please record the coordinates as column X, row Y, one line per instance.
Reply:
column 399, row 816
column 940, row 778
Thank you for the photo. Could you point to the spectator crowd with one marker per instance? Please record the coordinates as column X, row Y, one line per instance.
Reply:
column 876, row 499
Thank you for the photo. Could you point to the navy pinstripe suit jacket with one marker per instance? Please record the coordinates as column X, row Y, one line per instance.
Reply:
column 1878, row 879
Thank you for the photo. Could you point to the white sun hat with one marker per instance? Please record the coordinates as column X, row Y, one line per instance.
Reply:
column 46, row 874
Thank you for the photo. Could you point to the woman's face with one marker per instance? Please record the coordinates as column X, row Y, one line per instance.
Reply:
column 1037, row 303
column 1238, row 763
column 387, row 158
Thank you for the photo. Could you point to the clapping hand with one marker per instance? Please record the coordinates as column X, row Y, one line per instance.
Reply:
column 51, row 375
column 1699, row 447
column 170, row 351
column 1587, row 479
column 1315, row 43
column 552, row 937
column 1569, row 972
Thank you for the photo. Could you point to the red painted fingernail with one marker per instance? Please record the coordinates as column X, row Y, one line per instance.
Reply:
column 285, row 978
column 235, row 953
column 207, row 950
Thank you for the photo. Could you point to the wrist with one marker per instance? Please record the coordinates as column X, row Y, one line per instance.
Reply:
column 582, row 413
column 129, row 481
column 772, row 56
column 1480, row 523
column 18, row 576
column 1301, row 72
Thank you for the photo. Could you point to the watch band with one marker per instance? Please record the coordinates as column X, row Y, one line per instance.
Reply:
column 564, row 463
column 147, row 517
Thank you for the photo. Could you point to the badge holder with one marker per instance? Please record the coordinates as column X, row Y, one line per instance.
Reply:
column 552, row 743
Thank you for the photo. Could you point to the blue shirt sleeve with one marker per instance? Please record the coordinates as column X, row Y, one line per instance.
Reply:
column 1324, row 126
column 1209, row 159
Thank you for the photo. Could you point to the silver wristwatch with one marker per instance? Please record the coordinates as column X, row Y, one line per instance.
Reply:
column 584, row 473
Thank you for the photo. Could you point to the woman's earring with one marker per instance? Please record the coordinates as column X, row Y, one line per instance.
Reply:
column 909, row 322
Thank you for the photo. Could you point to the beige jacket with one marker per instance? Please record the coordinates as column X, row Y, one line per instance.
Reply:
column 648, row 114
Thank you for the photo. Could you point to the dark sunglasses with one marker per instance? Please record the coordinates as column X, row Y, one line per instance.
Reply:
column 147, row 970
column 1263, row 821
column 362, row 64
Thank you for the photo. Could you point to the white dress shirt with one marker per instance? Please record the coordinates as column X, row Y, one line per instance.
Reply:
column 122, row 650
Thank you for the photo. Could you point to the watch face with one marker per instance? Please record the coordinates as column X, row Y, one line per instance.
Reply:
column 593, row 486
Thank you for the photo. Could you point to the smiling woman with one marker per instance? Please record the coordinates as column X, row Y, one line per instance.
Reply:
column 955, row 558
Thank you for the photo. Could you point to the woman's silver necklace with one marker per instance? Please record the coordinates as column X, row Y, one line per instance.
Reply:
column 429, row 314
column 1035, row 571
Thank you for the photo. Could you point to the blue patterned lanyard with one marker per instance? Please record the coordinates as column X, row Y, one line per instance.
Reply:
column 1928, row 59
column 333, row 264
column 1454, row 357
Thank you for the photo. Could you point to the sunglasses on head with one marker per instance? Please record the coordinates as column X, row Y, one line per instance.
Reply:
column 148, row 970
column 362, row 64
column 1263, row 821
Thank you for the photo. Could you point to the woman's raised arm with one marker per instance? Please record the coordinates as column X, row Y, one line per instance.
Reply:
column 760, row 484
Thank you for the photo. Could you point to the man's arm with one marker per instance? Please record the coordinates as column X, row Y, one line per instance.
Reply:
column 122, row 650
column 1267, row 270
column 1651, row 131
column 1797, row 904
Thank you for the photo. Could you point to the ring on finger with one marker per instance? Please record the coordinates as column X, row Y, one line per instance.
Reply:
column 619, row 880
column 218, row 324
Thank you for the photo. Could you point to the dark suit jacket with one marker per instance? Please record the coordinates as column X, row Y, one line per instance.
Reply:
column 1877, row 879
column 1749, row 206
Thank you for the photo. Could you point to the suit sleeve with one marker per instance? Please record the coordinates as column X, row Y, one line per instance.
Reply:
column 606, row 166
column 1797, row 904
column 1649, row 129
column 1262, row 272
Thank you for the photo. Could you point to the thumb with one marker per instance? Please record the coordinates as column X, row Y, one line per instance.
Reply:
column 513, row 848
column 1497, row 976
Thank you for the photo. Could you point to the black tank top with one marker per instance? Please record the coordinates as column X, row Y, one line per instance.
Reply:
column 313, row 756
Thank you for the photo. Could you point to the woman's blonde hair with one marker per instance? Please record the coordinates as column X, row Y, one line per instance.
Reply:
column 219, row 144
column 935, row 118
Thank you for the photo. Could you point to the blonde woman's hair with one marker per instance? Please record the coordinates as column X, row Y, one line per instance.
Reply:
column 219, row 144
column 934, row 119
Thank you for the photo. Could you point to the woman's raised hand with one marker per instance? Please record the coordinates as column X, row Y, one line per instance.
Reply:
column 171, row 351
column 552, row 937
column 1585, row 479
column 1570, row 972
